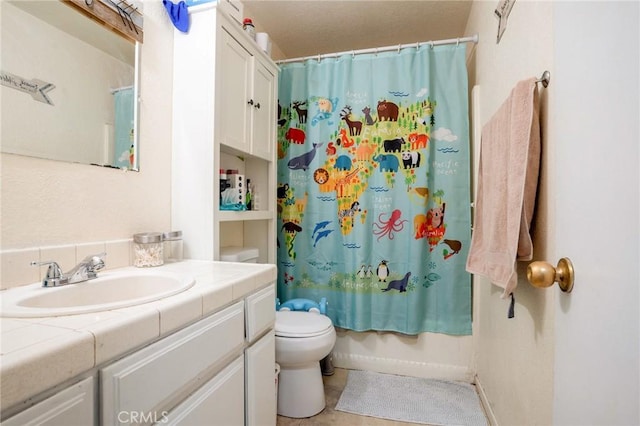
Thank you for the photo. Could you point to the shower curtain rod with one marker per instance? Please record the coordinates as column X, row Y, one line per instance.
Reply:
column 470, row 39
column 120, row 89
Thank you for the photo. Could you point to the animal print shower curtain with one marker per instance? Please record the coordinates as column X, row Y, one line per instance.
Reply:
column 373, row 189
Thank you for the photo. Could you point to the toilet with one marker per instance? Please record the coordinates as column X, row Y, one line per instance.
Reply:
column 303, row 338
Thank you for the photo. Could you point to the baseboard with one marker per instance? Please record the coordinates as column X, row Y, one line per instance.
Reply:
column 488, row 411
column 402, row 367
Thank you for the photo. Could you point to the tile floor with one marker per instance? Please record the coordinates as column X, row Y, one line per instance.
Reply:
column 333, row 386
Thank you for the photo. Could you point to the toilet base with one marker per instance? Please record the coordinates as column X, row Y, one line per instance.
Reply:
column 300, row 390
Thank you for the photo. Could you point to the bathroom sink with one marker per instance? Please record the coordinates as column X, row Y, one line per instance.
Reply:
column 111, row 290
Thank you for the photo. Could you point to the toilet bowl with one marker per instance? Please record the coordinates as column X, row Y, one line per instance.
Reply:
column 302, row 340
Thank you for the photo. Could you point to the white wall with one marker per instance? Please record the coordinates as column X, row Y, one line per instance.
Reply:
column 514, row 357
column 48, row 202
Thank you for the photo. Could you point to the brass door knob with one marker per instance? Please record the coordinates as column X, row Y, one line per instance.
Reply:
column 542, row 274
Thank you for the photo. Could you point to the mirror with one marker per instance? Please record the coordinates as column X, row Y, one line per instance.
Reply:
column 69, row 86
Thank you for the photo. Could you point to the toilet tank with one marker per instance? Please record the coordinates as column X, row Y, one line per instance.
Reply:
column 239, row 254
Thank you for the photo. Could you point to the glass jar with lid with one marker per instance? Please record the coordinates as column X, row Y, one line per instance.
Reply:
column 172, row 246
column 148, row 249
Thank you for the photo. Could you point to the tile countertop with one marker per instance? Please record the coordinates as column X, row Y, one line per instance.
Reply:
column 37, row 354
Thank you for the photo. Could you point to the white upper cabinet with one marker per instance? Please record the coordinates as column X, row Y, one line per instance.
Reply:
column 246, row 98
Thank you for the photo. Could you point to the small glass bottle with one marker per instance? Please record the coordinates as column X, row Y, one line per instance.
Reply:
column 247, row 25
column 148, row 249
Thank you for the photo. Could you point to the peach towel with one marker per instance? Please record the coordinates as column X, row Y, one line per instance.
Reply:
column 507, row 184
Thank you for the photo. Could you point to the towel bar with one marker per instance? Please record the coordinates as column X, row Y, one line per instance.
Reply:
column 545, row 79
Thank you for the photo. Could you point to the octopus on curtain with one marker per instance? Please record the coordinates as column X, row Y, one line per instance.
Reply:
column 391, row 225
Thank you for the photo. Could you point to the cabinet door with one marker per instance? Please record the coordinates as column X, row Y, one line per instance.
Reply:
column 233, row 100
column 260, row 381
column 264, row 117
column 260, row 312
column 217, row 402
column 71, row 406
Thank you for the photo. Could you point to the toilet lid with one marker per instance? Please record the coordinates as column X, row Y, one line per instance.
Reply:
column 301, row 324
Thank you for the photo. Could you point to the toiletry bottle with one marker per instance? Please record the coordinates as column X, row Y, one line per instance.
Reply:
column 224, row 183
column 255, row 198
column 247, row 25
column 249, row 195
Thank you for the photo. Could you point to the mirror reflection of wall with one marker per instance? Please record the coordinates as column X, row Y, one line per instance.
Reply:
column 89, row 115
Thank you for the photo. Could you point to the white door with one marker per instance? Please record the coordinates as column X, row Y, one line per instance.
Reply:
column 594, row 88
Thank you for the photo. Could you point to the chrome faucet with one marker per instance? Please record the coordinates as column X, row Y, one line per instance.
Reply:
column 83, row 271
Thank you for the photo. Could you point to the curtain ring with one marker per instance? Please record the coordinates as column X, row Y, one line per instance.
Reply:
column 353, row 54
column 318, row 58
column 457, row 42
column 418, row 46
column 431, row 44
column 400, row 45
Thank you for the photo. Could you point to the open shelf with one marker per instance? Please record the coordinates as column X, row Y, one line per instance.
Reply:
column 227, row 215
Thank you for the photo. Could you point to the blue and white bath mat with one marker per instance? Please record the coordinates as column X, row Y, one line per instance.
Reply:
column 411, row 399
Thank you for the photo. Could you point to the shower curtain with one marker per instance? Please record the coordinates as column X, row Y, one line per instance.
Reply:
column 373, row 189
column 124, row 149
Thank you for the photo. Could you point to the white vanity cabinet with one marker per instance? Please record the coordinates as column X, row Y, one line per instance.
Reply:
column 215, row 367
column 74, row 405
column 224, row 117
column 218, row 371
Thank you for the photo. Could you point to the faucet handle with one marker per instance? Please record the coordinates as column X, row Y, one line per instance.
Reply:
column 96, row 261
column 54, row 272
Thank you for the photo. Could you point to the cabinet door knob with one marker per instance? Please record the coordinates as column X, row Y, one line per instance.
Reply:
column 258, row 105
column 250, row 102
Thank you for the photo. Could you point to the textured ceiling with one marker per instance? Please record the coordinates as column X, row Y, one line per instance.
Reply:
column 311, row 27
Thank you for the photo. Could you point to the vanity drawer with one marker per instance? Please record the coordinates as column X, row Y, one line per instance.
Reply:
column 149, row 381
column 261, row 312
column 74, row 405
column 219, row 401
